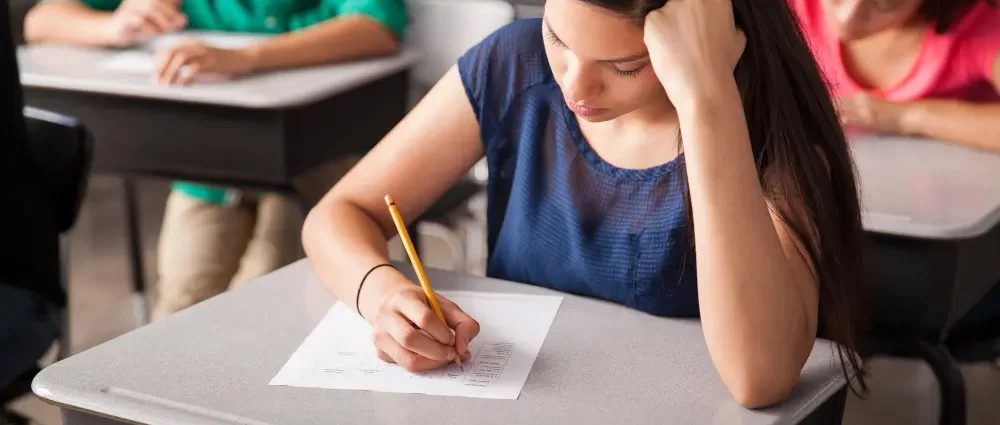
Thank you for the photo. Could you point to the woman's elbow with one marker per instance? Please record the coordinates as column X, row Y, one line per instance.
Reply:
column 390, row 44
column 312, row 228
column 759, row 388
column 381, row 39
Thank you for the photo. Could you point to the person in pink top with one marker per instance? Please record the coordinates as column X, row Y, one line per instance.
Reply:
column 925, row 68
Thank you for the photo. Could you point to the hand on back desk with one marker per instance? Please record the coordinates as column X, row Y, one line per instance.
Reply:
column 137, row 20
column 181, row 63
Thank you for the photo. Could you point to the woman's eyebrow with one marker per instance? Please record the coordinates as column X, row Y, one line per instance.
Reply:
column 624, row 59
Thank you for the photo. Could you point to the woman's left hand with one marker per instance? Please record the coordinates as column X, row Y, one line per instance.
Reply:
column 871, row 113
column 693, row 46
column 182, row 62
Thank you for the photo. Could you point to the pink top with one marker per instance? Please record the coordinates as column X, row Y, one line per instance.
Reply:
column 954, row 65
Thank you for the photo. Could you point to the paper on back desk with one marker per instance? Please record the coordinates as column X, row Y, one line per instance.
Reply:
column 131, row 62
column 214, row 39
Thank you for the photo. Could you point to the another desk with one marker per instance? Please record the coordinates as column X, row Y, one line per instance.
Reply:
column 601, row 363
column 931, row 210
column 261, row 131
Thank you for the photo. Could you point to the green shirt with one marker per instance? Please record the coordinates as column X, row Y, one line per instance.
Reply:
column 277, row 16
column 269, row 17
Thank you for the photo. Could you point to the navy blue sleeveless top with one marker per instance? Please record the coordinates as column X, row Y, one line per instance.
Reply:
column 558, row 215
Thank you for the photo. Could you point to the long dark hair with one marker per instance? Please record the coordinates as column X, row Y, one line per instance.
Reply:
column 943, row 13
column 798, row 143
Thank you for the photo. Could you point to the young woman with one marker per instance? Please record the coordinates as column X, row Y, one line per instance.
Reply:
column 926, row 68
column 754, row 224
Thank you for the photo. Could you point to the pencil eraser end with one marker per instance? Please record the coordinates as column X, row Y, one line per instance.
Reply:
column 389, row 201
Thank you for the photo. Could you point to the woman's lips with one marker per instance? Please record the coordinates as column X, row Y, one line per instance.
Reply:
column 584, row 111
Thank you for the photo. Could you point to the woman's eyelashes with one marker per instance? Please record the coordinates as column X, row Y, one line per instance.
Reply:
column 552, row 38
column 631, row 73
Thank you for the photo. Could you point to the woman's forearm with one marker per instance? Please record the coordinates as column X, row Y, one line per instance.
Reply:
column 343, row 244
column 755, row 322
column 66, row 22
column 346, row 233
column 336, row 40
column 972, row 124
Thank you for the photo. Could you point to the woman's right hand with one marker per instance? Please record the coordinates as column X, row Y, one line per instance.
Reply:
column 135, row 20
column 408, row 333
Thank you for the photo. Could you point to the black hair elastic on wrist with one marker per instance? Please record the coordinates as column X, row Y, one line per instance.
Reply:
column 357, row 298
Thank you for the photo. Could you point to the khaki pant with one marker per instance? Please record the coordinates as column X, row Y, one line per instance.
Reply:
column 206, row 248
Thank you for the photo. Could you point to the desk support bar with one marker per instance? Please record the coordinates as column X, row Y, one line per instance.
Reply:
column 133, row 234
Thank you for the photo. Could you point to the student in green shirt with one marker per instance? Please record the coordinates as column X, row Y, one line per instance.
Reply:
column 213, row 237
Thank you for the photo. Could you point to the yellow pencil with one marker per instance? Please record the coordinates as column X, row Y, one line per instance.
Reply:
column 417, row 265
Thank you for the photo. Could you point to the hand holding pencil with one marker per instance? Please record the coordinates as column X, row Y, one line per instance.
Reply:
column 415, row 327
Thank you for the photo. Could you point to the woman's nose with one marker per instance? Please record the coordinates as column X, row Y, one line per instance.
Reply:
column 580, row 83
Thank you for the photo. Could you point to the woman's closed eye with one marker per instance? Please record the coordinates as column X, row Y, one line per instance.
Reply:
column 551, row 37
column 630, row 73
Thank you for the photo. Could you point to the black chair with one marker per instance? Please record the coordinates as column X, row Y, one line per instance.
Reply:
column 62, row 150
column 453, row 200
column 18, row 10
column 20, row 387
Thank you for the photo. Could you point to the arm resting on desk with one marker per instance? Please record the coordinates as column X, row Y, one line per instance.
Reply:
column 967, row 123
column 66, row 21
column 976, row 125
column 335, row 40
column 757, row 291
column 959, row 121
column 346, row 233
column 972, row 124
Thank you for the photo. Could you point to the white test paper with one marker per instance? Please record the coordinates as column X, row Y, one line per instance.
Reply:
column 339, row 354
column 130, row 62
column 220, row 40
column 144, row 61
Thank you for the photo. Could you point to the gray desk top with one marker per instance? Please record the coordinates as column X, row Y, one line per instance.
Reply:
column 926, row 189
column 601, row 363
column 84, row 70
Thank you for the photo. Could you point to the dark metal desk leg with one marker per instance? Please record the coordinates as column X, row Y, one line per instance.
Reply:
column 64, row 337
column 949, row 378
column 134, row 236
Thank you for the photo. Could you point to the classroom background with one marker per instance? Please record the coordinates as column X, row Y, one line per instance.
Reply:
column 112, row 262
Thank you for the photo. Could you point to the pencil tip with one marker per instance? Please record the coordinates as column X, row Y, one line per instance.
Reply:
column 389, row 201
